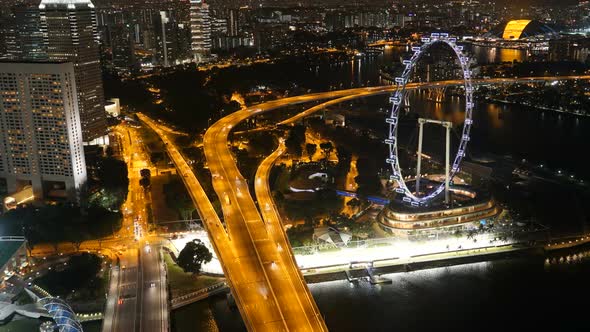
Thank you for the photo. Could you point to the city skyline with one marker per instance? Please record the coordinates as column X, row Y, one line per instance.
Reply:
column 268, row 165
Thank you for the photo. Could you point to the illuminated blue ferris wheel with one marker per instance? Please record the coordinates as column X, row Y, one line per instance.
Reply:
column 397, row 101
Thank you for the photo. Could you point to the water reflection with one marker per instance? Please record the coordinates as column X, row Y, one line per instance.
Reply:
column 487, row 55
column 365, row 70
column 494, row 113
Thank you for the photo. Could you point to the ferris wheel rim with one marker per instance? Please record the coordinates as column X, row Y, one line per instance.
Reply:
column 397, row 99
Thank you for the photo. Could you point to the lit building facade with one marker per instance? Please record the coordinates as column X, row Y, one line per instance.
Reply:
column 24, row 40
column 70, row 34
column 200, row 30
column 40, row 129
column 470, row 208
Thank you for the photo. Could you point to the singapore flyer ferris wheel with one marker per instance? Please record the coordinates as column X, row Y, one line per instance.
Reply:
column 397, row 101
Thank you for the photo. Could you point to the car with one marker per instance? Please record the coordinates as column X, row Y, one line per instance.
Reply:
column 152, row 285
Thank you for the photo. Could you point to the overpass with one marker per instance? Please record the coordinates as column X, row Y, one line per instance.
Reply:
column 199, row 295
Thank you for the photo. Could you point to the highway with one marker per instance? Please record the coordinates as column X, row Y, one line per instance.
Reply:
column 272, row 218
column 238, row 258
column 270, row 251
column 262, row 188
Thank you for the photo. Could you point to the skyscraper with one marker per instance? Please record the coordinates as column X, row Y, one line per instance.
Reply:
column 70, row 34
column 233, row 23
column 121, row 38
column 40, row 129
column 24, row 40
column 200, row 30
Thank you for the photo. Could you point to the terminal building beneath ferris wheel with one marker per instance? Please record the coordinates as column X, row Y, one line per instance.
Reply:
column 469, row 209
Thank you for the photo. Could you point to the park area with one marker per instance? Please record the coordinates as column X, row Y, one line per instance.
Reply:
column 182, row 282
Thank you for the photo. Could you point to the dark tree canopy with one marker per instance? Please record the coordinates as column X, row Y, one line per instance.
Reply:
column 177, row 198
column 110, row 184
column 113, row 173
column 310, row 148
column 59, row 223
column 145, row 173
column 295, row 140
column 145, row 183
column 368, row 181
column 81, row 274
column 327, row 147
column 193, row 256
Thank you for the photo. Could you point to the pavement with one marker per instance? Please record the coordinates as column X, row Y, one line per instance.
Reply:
column 154, row 302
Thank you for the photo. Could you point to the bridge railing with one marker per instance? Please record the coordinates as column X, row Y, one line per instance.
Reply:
column 199, row 292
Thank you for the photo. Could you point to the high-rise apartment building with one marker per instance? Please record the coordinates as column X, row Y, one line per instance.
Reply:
column 200, row 30
column 40, row 130
column 70, row 34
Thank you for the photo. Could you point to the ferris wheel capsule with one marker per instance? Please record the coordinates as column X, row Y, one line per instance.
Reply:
column 395, row 100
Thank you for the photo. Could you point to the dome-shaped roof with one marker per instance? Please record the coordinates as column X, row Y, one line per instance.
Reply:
column 522, row 29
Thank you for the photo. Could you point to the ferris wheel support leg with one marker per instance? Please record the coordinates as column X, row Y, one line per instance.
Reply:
column 419, row 163
column 447, row 161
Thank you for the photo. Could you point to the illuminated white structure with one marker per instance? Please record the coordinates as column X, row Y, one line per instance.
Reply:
column 397, row 100
column 419, row 213
column 40, row 129
column 70, row 35
column 200, row 30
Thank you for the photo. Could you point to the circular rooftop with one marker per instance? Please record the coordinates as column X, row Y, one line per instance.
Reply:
column 522, row 29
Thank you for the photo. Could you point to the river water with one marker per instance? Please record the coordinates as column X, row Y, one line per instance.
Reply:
column 510, row 294
column 488, row 296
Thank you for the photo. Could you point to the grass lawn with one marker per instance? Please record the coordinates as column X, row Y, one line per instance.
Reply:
column 182, row 282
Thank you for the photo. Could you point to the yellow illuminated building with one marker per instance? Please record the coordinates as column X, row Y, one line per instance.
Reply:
column 513, row 29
